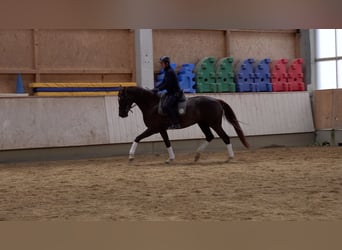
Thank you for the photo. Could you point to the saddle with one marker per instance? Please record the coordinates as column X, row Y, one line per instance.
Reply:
column 181, row 107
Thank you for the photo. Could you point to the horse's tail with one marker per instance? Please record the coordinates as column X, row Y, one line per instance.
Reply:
column 231, row 117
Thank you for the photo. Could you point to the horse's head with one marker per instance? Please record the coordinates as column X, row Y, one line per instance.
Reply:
column 125, row 102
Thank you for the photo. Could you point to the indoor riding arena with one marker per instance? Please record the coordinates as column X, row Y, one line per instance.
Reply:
column 66, row 154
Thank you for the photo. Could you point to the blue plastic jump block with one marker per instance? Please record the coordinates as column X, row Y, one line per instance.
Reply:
column 246, row 87
column 262, row 70
column 186, row 83
column 188, row 66
column 263, row 82
column 246, row 67
column 185, row 74
column 263, row 76
column 187, row 87
column 264, row 87
column 263, row 67
column 173, row 66
column 184, row 71
column 160, row 77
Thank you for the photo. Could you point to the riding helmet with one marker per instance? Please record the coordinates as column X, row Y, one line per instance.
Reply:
column 165, row 59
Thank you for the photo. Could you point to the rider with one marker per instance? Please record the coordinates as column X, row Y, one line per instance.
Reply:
column 171, row 84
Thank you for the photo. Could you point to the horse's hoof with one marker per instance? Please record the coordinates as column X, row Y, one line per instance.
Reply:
column 130, row 159
column 169, row 161
column 197, row 156
column 230, row 159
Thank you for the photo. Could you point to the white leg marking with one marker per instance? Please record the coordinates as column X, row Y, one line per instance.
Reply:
column 171, row 153
column 230, row 151
column 203, row 146
column 132, row 150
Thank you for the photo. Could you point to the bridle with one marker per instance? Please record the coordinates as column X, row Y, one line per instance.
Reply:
column 132, row 106
column 128, row 108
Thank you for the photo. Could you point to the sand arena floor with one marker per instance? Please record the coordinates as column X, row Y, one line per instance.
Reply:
column 274, row 184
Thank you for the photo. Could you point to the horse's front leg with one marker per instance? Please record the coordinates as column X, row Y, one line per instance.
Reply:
column 165, row 137
column 148, row 132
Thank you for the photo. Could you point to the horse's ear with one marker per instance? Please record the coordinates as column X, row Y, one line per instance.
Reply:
column 122, row 91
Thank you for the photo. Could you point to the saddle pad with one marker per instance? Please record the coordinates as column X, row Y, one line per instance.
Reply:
column 181, row 105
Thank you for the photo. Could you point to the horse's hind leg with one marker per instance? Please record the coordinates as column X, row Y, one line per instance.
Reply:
column 208, row 136
column 221, row 133
column 166, row 139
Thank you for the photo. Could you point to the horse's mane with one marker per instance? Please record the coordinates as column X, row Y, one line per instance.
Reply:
column 146, row 94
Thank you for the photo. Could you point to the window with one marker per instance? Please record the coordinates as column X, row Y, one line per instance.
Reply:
column 328, row 58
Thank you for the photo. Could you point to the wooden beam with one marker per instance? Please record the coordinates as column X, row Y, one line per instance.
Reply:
column 228, row 42
column 297, row 44
column 131, row 40
column 36, row 64
column 264, row 31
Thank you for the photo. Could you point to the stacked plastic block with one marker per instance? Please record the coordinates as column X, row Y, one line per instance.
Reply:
column 186, row 78
column 225, row 75
column 262, row 76
column 250, row 76
column 279, row 75
column 245, row 76
column 205, row 75
column 288, row 76
column 295, row 75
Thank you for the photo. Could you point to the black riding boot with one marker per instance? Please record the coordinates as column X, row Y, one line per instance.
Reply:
column 173, row 113
column 170, row 105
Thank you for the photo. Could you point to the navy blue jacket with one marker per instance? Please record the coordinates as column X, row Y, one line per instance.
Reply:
column 170, row 82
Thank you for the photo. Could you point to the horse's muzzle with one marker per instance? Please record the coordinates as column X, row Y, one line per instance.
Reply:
column 123, row 115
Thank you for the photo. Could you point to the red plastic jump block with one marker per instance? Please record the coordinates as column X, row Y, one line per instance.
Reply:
column 279, row 75
column 295, row 75
column 296, row 66
column 296, row 86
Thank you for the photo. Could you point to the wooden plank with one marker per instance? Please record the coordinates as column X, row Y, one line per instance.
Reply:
column 88, row 49
column 65, row 71
column 323, row 105
column 36, row 54
column 262, row 45
column 227, row 42
column 16, row 49
column 132, row 55
column 285, row 31
column 187, row 46
column 52, row 122
column 262, row 114
column 297, row 44
column 337, row 109
column 8, row 82
column 4, row 71
column 85, row 71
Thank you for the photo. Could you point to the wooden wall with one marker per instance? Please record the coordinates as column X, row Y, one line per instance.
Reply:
column 189, row 46
column 259, row 45
column 108, row 55
column 36, row 122
column 65, row 55
column 328, row 109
